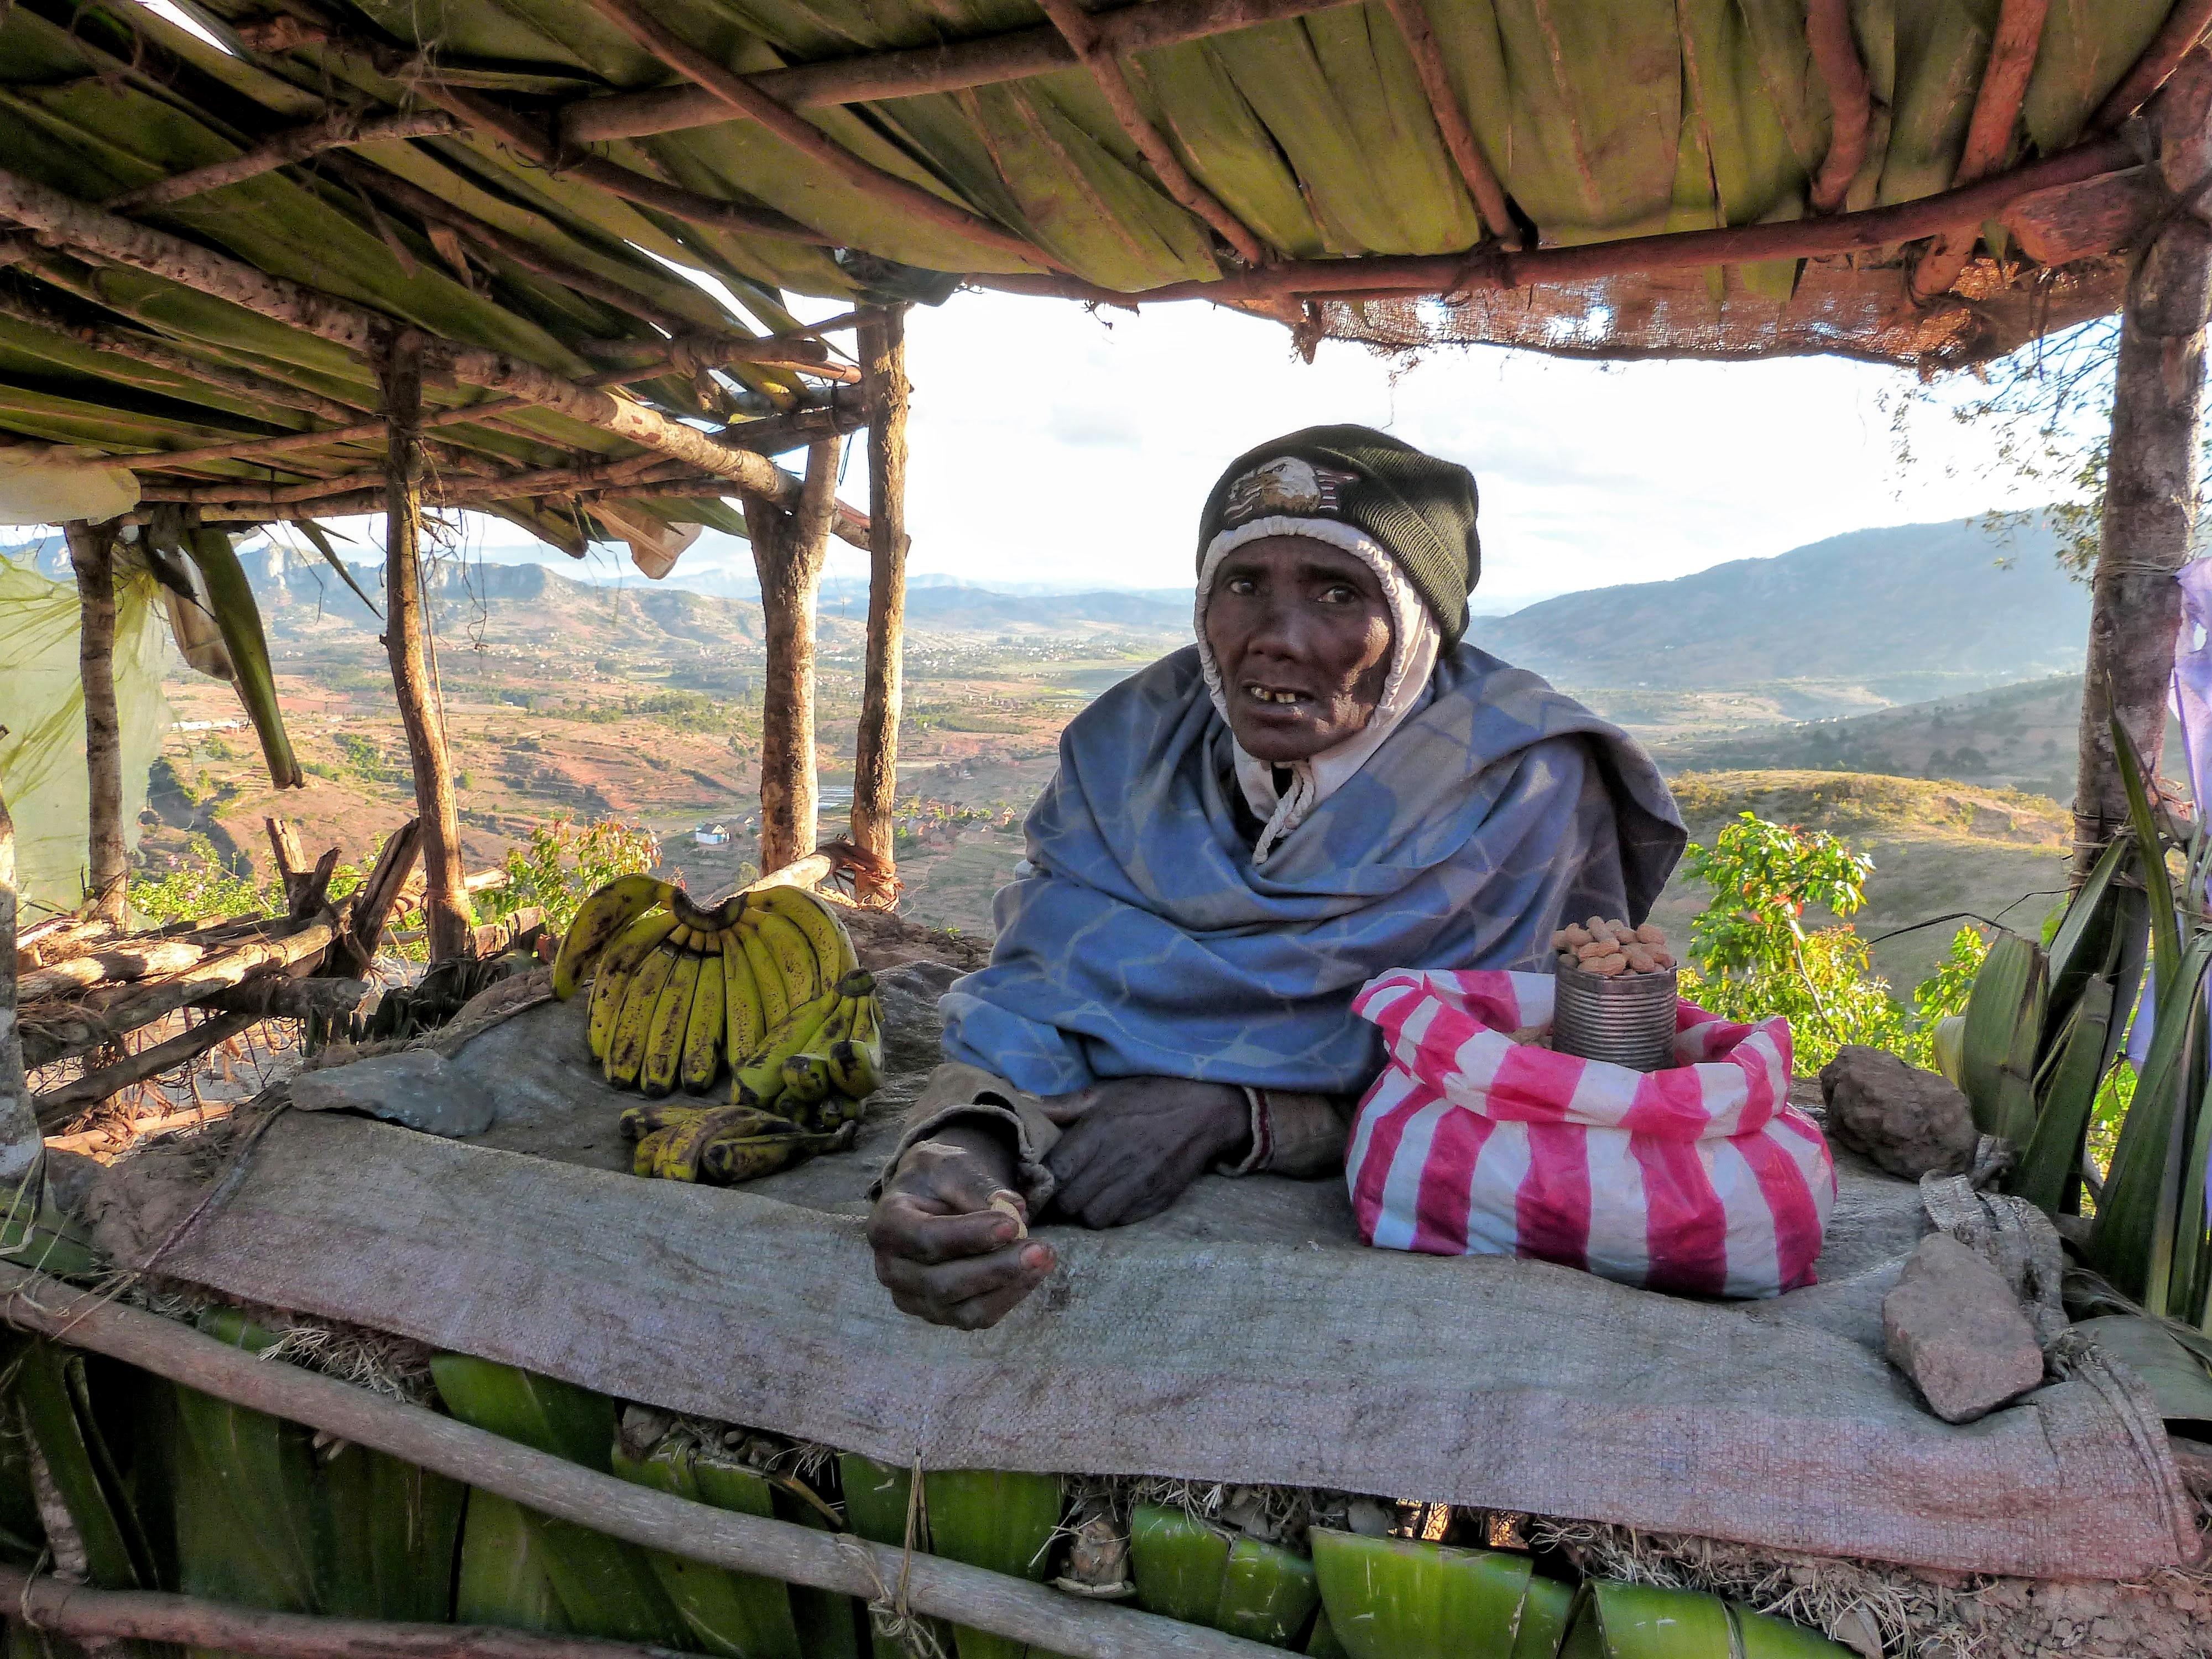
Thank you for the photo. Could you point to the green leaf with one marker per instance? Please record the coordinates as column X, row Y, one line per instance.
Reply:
column 2125, row 1245
column 230, row 597
column 2150, row 857
column 1403, row 1598
column 2049, row 1169
column 996, row 1519
column 2176, row 1378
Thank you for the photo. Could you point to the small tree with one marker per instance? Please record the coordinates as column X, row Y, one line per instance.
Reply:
column 1751, row 957
column 564, row 863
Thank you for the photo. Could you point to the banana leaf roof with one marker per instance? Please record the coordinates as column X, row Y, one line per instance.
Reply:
column 1918, row 181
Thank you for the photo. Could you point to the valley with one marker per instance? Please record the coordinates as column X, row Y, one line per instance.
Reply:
column 1807, row 697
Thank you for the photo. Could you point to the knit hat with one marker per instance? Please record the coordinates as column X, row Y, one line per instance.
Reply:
column 1420, row 509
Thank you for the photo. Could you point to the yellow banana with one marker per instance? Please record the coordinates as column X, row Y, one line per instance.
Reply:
column 651, row 1118
column 794, row 958
column 645, row 1160
column 672, row 1019
column 760, row 1080
column 741, row 999
column 679, row 1155
column 626, row 1049
column 599, row 922
column 616, row 966
column 776, row 1003
column 702, row 1038
column 825, row 933
column 731, row 1159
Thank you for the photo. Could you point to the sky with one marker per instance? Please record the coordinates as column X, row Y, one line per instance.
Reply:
column 1053, row 445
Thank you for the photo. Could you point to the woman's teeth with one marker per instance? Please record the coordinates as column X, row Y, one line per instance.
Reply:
column 1262, row 694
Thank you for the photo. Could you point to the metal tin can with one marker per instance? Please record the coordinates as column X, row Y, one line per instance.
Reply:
column 1624, row 1019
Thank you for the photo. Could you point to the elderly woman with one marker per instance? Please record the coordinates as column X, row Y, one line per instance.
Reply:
column 1329, row 784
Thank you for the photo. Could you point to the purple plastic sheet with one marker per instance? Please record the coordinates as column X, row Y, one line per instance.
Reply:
column 2192, row 674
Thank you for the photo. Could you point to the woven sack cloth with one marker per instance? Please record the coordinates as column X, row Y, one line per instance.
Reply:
column 1700, row 1179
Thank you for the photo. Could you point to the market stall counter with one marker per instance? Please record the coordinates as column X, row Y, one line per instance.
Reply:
column 1245, row 1336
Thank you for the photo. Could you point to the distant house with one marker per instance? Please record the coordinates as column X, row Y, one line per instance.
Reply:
column 710, row 834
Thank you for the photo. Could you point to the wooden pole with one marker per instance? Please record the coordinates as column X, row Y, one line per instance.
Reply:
column 20, row 1143
column 918, row 1583
column 789, row 550
column 449, row 919
column 92, row 555
column 2151, row 478
column 49, row 1603
column 875, row 758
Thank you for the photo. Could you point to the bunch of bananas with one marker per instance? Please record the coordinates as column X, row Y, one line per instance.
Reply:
column 814, row 1069
column 765, row 983
column 678, row 992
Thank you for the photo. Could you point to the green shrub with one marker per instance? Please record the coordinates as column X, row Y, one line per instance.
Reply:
column 563, row 863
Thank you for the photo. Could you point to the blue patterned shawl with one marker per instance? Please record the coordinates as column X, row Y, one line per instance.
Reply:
column 1145, row 944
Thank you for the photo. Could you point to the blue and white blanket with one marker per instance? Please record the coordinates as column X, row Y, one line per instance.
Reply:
column 1145, row 944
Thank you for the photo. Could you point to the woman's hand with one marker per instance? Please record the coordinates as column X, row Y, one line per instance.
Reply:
column 1140, row 1142
column 943, row 1253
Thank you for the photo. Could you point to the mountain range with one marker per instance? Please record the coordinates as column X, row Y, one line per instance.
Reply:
column 1954, row 600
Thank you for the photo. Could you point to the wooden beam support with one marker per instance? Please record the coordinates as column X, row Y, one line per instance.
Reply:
column 1989, row 135
column 22, row 1145
column 61, row 1103
column 421, row 711
column 92, row 556
column 2185, row 26
column 1380, row 276
column 789, row 550
column 1851, row 100
column 79, row 1030
column 907, row 73
column 875, row 754
column 1080, row 30
column 89, row 230
column 338, row 131
column 96, row 1618
column 1474, row 171
column 380, row 893
column 1001, row 1603
column 2152, row 475
column 742, row 98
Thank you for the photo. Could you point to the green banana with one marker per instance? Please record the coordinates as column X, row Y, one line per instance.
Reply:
column 760, row 1080
column 613, row 978
column 600, row 920
column 805, row 1079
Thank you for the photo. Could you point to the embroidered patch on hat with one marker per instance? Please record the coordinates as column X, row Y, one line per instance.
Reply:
column 1288, row 485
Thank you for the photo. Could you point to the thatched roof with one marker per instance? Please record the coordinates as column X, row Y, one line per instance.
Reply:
column 1714, row 177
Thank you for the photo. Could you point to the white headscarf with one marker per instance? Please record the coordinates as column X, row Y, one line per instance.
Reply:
column 1415, row 640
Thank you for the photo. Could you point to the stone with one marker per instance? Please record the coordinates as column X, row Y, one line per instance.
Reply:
column 1909, row 1121
column 1953, row 1326
column 417, row 1087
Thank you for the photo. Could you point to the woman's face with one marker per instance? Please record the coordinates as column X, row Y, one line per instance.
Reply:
column 1301, row 633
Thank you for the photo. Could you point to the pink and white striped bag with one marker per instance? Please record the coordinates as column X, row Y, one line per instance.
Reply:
column 1701, row 1179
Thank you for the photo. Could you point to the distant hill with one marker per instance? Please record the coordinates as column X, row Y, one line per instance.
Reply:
column 1924, row 607
column 2014, row 736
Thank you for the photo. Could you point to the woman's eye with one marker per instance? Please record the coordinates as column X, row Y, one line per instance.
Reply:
column 1241, row 586
column 1342, row 593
